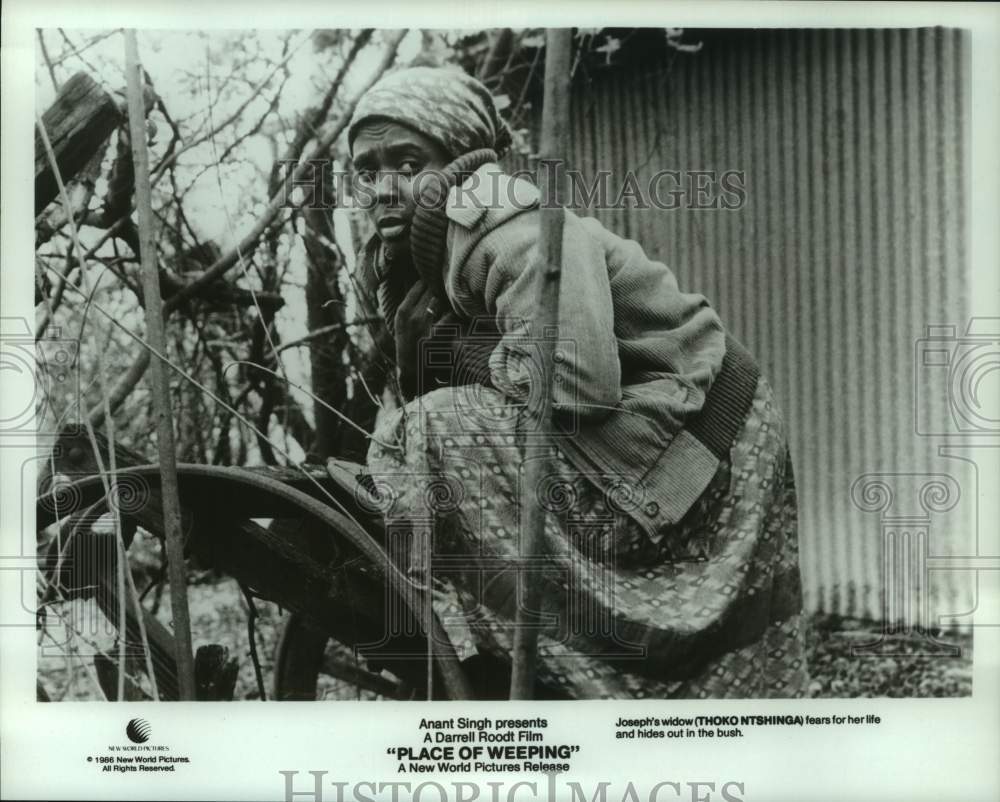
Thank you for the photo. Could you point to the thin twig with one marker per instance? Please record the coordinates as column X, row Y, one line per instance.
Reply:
column 555, row 123
column 123, row 387
column 252, row 616
column 76, row 51
column 52, row 303
column 48, row 61
column 324, row 330
column 156, row 581
column 161, row 385
column 360, row 376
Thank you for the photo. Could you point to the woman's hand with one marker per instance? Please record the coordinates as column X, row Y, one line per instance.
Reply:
column 415, row 319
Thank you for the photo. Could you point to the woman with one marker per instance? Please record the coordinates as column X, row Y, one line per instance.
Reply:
column 671, row 563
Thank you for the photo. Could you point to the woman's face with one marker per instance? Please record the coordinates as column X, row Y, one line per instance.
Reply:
column 389, row 157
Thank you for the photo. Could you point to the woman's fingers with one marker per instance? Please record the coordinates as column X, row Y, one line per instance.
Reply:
column 414, row 296
column 420, row 310
column 433, row 306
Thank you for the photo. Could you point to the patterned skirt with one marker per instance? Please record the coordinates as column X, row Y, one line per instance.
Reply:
column 710, row 610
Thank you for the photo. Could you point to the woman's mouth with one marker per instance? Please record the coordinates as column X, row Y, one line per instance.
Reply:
column 390, row 228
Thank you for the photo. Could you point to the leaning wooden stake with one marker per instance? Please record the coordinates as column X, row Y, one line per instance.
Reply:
column 555, row 118
column 161, row 388
column 78, row 124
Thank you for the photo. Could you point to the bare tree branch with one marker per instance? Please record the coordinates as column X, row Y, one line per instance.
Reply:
column 279, row 199
column 48, row 61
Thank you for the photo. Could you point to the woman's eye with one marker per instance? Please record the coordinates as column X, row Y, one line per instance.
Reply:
column 409, row 167
column 366, row 176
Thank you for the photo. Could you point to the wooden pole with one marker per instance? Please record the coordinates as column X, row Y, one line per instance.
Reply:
column 555, row 124
column 78, row 124
column 157, row 341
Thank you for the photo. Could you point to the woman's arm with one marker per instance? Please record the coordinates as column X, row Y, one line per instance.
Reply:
column 501, row 278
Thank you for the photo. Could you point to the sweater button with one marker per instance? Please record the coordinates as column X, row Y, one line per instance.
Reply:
column 652, row 509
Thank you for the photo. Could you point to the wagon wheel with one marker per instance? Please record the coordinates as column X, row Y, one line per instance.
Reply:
column 330, row 572
column 307, row 659
column 310, row 665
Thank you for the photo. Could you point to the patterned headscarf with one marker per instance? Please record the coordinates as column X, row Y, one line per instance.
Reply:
column 443, row 103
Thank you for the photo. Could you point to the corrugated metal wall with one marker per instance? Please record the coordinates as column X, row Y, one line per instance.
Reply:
column 850, row 243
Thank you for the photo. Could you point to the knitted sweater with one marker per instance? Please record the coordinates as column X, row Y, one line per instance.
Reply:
column 649, row 390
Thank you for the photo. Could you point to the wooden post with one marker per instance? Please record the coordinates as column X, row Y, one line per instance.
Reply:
column 78, row 123
column 157, row 342
column 555, row 120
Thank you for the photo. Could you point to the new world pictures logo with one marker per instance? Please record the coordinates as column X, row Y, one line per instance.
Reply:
column 138, row 730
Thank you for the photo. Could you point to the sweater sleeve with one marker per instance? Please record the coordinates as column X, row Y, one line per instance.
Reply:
column 502, row 278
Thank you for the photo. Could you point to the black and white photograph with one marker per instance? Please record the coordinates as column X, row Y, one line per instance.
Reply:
column 645, row 368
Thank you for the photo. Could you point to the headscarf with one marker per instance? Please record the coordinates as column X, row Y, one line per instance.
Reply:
column 440, row 102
